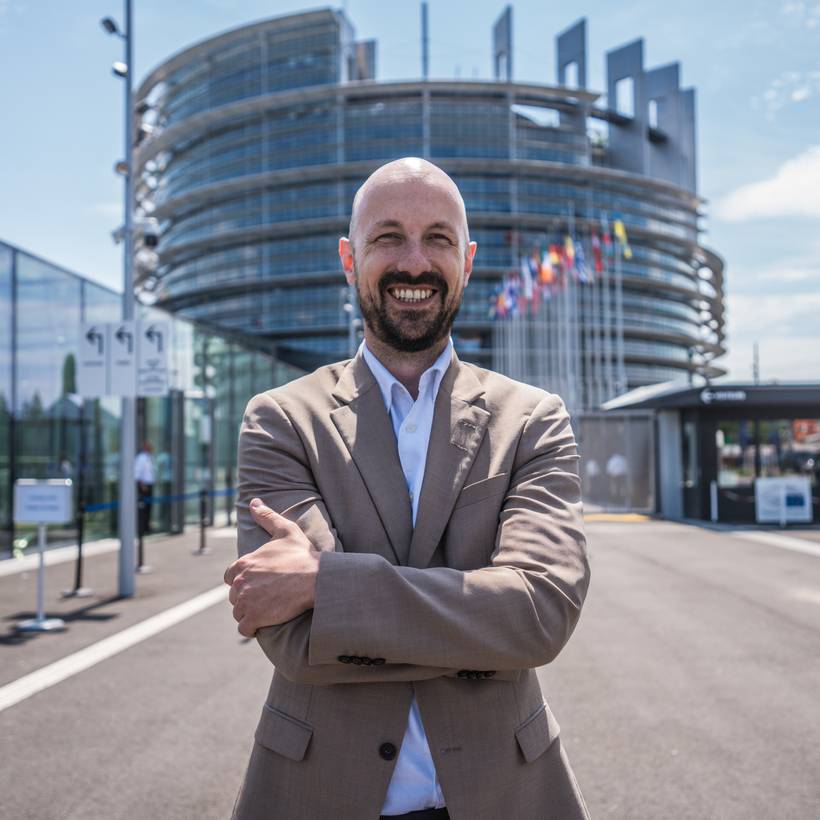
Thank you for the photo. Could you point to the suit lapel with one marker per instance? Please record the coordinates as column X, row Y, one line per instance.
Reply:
column 365, row 428
column 458, row 429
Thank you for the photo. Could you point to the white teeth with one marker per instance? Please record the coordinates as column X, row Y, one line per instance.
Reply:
column 412, row 295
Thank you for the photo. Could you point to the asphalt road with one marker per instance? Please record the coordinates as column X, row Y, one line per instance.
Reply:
column 691, row 688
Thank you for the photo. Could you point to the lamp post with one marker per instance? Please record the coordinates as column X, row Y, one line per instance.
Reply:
column 128, row 437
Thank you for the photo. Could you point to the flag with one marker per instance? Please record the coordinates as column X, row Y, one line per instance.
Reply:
column 598, row 261
column 569, row 251
column 546, row 274
column 620, row 234
column 581, row 264
column 526, row 280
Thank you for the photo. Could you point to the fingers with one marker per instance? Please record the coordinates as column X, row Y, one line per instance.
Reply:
column 232, row 571
column 246, row 628
column 268, row 519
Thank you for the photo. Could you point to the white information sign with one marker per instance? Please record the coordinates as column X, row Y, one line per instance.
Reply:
column 152, row 367
column 42, row 502
column 124, row 359
column 123, row 344
column 783, row 500
column 92, row 372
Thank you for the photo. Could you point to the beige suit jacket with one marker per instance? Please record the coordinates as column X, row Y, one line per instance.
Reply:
column 458, row 610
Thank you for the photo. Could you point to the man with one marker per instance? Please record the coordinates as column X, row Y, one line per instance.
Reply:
column 412, row 548
column 144, row 476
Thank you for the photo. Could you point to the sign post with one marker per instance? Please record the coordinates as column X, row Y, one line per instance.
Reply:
column 41, row 503
column 127, row 359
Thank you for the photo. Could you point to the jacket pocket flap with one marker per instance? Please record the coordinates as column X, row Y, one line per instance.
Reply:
column 283, row 734
column 479, row 490
column 536, row 734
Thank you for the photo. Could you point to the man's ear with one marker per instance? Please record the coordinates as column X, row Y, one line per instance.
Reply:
column 469, row 255
column 346, row 257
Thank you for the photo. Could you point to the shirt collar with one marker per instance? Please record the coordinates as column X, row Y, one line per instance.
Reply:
column 386, row 380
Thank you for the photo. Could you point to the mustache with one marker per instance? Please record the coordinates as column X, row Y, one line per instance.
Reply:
column 397, row 277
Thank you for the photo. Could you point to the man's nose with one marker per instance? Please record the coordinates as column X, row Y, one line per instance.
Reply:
column 414, row 260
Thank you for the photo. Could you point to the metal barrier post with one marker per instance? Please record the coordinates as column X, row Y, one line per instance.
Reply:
column 79, row 590
column 142, row 504
column 203, row 520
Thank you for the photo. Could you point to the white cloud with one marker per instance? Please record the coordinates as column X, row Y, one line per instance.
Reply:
column 785, row 329
column 802, row 12
column 793, row 191
column 788, row 88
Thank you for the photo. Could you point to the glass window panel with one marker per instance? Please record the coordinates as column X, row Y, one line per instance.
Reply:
column 735, row 445
column 6, row 262
column 49, row 413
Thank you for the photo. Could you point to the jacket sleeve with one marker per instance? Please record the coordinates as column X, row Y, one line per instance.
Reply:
column 272, row 465
column 516, row 613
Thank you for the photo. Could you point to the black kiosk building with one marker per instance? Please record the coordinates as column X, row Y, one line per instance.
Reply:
column 713, row 442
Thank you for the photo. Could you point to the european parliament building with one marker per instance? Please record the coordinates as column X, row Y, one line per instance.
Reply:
column 253, row 143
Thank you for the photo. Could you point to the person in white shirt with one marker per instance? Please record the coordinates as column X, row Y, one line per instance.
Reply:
column 145, row 478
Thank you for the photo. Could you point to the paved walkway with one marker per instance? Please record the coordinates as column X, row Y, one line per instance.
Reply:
column 688, row 691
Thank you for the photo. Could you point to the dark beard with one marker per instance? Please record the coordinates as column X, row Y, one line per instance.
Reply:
column 429, row 331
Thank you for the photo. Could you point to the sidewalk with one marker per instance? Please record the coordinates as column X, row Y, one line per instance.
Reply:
column 176, row 576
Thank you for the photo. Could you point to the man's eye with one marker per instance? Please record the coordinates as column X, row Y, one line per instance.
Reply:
column 387, row 236
column 441, row 237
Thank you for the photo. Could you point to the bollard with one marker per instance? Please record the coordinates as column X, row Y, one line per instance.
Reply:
column 142, row 567
column 79, row 590
column 203, row 520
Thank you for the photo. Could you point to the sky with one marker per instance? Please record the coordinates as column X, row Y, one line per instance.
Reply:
column 755, row 65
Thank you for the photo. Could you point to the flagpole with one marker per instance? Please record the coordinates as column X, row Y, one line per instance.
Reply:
column 610, row 387
column 619, row 317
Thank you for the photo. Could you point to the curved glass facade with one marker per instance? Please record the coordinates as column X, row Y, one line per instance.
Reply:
column 259, row 138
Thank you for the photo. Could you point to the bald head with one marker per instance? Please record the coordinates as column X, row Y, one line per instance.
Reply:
column 408, row 177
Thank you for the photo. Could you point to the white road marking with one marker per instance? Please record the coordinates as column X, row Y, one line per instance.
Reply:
column 810, row 596
column 59, row 555
column 56, row 555
column 786, row 542
column 30, row 684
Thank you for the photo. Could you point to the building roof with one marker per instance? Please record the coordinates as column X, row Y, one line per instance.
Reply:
column 671, row 395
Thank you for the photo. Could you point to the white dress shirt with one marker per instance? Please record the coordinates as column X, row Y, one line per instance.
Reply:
column 414, row 785
column 144, row 468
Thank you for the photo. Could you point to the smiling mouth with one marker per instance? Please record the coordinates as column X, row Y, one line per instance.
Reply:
column 411, row 295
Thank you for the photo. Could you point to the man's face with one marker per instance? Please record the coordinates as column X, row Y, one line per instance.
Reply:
column 410, row 261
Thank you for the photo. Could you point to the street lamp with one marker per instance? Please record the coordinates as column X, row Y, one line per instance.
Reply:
column 111, row 27
column 128, row 431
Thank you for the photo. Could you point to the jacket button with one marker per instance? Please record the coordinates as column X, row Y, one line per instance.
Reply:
column 387, row 751
column 343, row 659
column 378, row 661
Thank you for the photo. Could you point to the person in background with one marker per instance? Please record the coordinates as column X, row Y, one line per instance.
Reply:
column 144, row 476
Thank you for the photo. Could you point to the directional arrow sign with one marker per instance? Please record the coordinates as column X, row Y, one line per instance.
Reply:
column 123, row 359
column 92, row 372
column 152, row 361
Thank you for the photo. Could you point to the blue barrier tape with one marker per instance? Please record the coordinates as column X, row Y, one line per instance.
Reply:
column 107, row 505
column 227, row 491
column 160, row 499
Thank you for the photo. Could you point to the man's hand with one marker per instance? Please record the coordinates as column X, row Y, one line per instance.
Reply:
column 276, row 582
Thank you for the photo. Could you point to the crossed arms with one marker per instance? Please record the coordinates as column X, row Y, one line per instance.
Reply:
column 514, row 614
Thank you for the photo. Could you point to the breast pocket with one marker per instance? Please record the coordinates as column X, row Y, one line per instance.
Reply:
column 481, row 490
